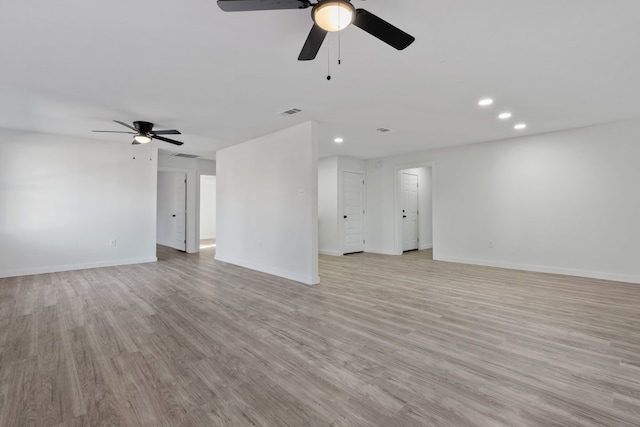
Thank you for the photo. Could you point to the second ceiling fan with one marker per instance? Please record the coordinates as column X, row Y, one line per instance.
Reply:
column 144, row 133
column 327, row 15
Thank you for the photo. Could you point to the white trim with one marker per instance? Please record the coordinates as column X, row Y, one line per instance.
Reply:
column 381, row 252
column 304, row 279
column 332, row 253
column 71, row 267
column 544, row 269
column 427, row 246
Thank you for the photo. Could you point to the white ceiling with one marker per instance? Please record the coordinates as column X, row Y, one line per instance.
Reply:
column 71, row 66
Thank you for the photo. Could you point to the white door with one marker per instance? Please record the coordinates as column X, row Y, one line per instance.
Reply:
column 353, row 212
column 409, row 211
column 172, row 210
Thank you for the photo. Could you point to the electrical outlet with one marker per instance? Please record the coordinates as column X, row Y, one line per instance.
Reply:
column 491, row 243
column 112, row 242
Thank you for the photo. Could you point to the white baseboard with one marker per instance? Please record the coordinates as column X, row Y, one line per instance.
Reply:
column 71, row 267
column 380, row 251
column 332, row 253
column 307, row 280
column 386, row 252
column 545, row 269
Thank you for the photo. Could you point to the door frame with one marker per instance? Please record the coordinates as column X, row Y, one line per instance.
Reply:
column 197, row 232
column 397, row 204
column 192, row 215
column 418, row 217
column 341, row 228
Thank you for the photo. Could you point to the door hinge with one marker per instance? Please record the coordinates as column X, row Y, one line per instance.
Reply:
column 417, row 212
column 362, row 211
column 363, row 181
column 363, row 242
column 185, row 181
column 185, row 242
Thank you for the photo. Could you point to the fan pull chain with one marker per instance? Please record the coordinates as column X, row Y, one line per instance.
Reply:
column 150, row 153
column 133, row 149
column 339, row 51
column 329, row 59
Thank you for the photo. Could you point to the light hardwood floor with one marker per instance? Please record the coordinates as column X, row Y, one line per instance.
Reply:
column 383, row 341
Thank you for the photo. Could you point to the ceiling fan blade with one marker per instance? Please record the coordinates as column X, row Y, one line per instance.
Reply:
column 312, row 44
column 126, row 125
column 381, row 29
column 166, row 132
column 247, row 5
column 113, row 131
column 170, row 141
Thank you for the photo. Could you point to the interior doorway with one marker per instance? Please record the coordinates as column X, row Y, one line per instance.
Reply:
column 353, row 212
column 414, row 208
column 410, row 211
column 171, row 219
column 207, row 211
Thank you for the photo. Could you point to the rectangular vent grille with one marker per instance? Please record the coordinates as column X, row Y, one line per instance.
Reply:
column 290, row 112
column 188, row 156
column 383, row 130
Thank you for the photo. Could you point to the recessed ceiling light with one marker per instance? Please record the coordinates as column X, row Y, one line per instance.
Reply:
column 338, row 140
column 504, row 116
column 484, row 102
column 520, row 126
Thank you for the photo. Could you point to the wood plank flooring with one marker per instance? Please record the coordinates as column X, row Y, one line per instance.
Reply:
column 383, row 341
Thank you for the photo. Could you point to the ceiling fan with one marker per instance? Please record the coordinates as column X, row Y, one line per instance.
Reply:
column 144, row 133
column 327, row 15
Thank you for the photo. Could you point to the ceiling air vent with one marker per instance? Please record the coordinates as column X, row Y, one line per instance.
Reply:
column 383, row 130
column 188, row 156
column 289, row 112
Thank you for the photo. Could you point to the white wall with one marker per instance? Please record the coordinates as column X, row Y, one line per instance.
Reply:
column 63, row 200
column 351, row 164
column 194, row 168
column 267, row 208
column 564, row 202
column 207, row 207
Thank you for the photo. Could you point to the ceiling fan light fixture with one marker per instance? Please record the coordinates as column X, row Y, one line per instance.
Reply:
column 142, row 138
column 333, row 15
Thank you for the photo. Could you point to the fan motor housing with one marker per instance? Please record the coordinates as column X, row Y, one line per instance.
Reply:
column 143, row 127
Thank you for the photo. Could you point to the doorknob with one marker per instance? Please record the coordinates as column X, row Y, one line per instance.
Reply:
column 404, row 216
column 173, row 216
column 345, row 217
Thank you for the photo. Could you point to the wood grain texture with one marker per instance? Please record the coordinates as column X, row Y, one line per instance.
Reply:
column 382, row 341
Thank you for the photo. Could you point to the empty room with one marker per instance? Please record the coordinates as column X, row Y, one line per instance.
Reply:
column 327, row 213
